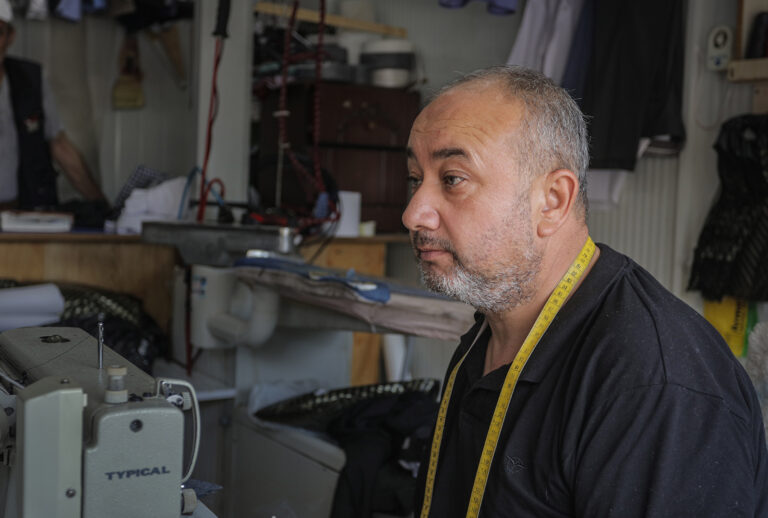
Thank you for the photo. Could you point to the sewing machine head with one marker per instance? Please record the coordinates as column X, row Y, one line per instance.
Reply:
column 83, row 441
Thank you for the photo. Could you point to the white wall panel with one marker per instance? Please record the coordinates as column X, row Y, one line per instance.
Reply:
column 643, row 224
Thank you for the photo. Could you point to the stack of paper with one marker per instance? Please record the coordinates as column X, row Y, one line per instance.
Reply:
column 25, row 221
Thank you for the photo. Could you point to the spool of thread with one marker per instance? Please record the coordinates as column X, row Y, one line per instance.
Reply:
column 349, row 224
column 390, row 61
column 391, row 77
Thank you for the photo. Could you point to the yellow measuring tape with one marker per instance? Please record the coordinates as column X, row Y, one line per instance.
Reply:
column 553, row 305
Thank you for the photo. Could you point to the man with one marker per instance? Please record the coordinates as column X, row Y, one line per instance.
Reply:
column 628, row 403
column 30, row 134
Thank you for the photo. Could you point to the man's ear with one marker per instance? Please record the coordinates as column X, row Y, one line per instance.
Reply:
column 559, row 190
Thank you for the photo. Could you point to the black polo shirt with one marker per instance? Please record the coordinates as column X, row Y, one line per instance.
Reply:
column 631, row 405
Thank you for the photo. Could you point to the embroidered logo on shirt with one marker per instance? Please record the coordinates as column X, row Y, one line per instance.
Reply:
column 513, row 465
column 32, row 124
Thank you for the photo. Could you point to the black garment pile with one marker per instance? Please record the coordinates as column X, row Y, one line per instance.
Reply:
column 128, row 330
column 731, row 256
column 384, row 430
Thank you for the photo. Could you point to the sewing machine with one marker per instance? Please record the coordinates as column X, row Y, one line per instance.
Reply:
column 85, row 434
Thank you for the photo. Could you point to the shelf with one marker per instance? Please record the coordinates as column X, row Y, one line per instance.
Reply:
column 308, row 15
column 753, row 71
column 748, row 70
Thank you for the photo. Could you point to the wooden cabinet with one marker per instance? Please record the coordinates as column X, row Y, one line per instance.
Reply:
column 363, row 132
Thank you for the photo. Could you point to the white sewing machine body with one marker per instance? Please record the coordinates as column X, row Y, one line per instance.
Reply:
column 79, row 441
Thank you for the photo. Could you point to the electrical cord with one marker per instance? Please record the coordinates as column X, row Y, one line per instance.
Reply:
column 328, row 237
column 220, row 33
column 313, row 183
column 212, row 112
column 187, row 185
column 195, row 416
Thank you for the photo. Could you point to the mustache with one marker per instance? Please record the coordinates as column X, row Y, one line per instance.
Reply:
column 421, row 240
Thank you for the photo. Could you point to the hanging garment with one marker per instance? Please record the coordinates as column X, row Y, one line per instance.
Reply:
column 37, row 10
column 574, row 76
column 534, row 34
column 545, row 36
column 494, row 6
column 565, row 24
column 71, row 10
column 94, row 6
column 634, row 81
column 731, row 256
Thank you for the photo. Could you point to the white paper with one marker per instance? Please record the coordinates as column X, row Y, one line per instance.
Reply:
column 38, row 299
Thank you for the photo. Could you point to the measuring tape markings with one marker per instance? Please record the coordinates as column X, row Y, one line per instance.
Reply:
column 437, row 438
column 545, row 318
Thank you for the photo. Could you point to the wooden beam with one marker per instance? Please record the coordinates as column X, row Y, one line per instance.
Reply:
column 309, row 15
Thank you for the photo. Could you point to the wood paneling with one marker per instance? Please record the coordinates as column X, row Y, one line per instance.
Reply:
column 123, row 265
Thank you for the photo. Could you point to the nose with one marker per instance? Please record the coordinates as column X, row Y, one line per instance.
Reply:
column 421, row 212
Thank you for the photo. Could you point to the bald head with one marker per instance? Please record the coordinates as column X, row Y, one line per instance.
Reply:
column 550, row 133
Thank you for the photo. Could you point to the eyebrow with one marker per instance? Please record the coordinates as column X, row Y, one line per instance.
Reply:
column 441, row 153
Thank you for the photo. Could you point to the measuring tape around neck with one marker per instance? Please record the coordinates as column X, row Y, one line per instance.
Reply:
column 551, row 308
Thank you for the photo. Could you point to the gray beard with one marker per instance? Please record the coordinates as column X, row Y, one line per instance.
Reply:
column 510, row 285
column 506, row 283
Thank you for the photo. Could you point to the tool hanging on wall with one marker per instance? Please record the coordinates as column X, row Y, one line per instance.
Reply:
column 127, row 92
column 136, row 16
column 166, row 38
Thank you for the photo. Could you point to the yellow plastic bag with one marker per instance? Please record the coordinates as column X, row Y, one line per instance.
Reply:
column 733, row 318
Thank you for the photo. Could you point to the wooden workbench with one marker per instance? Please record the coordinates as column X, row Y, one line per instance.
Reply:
column 119, row 263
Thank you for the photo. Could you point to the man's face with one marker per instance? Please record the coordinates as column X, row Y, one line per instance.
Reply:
column 6, row 38
column 469, row 215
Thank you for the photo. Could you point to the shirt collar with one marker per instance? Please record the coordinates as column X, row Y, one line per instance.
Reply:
column 563, row 329
column 569, row 321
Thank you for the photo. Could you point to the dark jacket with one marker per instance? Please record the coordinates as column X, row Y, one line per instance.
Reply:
column 37, row 177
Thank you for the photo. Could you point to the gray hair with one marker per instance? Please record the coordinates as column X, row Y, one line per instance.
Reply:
column 554, row 134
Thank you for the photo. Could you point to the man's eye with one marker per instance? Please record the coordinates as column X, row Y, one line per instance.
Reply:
column 413, row 182
column 451, row 180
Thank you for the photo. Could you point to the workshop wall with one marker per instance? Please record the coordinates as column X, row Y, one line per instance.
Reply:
column 80, row 60
column 663, row 204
